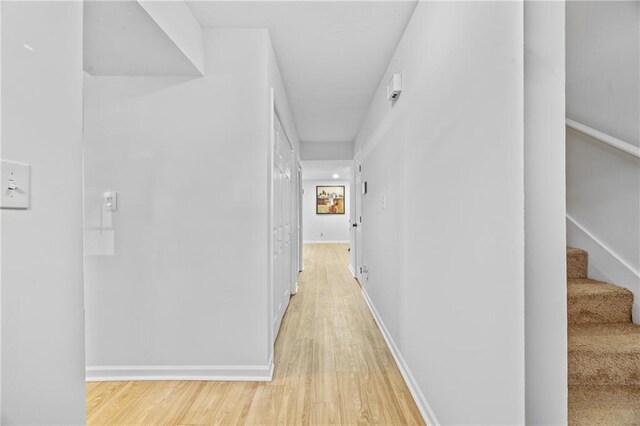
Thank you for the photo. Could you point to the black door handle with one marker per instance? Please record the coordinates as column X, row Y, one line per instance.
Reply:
column 355, row 225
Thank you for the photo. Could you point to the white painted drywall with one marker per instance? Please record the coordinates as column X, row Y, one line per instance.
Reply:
column 332, row 53
column 545, row 235
column 120, row 38
column 42, row 296
column 275, row 81
column 603, row 76
column 189, row 159
column 322, row 151
column 323, row 228
column 445, row 258
column 603, row 184
column 326, row 169
column 177, row 21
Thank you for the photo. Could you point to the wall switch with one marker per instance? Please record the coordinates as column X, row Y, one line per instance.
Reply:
column 15, row 181
column 110, row 201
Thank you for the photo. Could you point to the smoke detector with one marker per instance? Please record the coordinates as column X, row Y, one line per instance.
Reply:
column 394, row 87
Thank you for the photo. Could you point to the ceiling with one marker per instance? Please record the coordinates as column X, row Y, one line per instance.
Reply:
column 326, row 169
column 332, row 54
column 120, row 38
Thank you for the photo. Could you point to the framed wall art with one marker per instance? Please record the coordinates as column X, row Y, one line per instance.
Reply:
column 330, row 199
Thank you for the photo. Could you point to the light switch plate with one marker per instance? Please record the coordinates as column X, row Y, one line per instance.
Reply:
column 110, row 201
column 15, row 185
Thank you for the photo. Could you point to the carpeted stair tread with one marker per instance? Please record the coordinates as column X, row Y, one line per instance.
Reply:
column 577, row 263
column 592, row 301
column 604, row 405
column 604, row 354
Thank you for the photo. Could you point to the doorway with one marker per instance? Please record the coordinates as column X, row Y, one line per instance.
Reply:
column 326, row 209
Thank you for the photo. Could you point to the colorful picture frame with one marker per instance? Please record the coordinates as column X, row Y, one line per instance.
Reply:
column 330, row 199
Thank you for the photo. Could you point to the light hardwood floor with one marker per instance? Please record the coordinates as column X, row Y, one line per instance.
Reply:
column 332, row 367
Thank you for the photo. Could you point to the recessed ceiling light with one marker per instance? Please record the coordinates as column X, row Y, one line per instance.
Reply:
column 336, row 176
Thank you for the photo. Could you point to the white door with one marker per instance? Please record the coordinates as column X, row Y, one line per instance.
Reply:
column 277, row 220
column 282, row 223
column 287, row 283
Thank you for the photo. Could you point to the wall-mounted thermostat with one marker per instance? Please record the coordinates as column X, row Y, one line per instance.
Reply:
column 394, row 87
column 15, row 184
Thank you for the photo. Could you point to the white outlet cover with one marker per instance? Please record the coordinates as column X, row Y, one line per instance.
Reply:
column 18, row 176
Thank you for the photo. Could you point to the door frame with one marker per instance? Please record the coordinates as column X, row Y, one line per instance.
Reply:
column 299, row 205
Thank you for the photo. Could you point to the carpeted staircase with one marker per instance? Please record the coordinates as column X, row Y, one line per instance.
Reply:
column 604, row 349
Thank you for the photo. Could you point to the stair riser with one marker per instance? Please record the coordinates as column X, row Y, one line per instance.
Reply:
column 619, row 369
column 606, row 310
column 577, row 265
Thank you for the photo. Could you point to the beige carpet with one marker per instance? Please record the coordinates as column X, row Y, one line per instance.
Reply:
column 604, row 405
column 596, row 302
column 604, row 349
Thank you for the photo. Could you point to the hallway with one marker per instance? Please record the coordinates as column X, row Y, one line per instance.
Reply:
column 332, row 367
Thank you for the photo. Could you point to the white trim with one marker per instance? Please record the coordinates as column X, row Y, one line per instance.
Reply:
column 604, row 263
column 605, row 247
column 426, row 411
column 248, row 373
column 351, row 270
column 328, row 242
column 604, row 138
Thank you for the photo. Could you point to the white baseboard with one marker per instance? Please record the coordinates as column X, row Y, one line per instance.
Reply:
column 328, row 242
column 123, row 373
column 604, row 263
column 426, row 411
column 351, row 269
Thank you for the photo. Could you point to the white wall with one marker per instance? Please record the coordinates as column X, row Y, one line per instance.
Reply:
column 545, row 241
column 42, row 297
column 445, row 258
column 327, row 150
column 177, row 21
column 189, row 159
column 603, row 76
column 603, row 184
column 319, row 228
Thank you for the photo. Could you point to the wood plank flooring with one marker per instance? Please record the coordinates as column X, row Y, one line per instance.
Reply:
column 332, row 367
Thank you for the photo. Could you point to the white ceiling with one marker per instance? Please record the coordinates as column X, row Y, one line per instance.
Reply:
column 332, row 54
column 325, row 169
column 120, row 38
